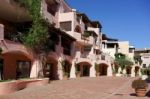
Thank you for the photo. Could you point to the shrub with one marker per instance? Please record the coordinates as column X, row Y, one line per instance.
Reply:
column 139, row 84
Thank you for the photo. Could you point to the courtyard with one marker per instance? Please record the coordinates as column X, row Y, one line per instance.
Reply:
column 81, row 88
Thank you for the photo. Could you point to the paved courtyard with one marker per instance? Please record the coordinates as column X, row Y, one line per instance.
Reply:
column 82, row 88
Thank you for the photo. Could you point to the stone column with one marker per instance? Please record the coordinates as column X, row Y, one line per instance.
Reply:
column 133, row 71
column 109, row 70
column 36, row 68
column 60, row 69
column 72, row 71
column 92, row 70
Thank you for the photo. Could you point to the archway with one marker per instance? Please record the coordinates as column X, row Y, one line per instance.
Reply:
column 51, row 69
column 67, row 67
column 84, row 68
column 17, row 64
column 128, row 70
column 137, row 70
column 103, row 69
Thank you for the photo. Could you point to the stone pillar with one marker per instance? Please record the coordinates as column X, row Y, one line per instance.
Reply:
column 133, row 71
column 36, row 68
column 109, row 70
column 60, row 69
column 1, row 32
column 72, row 71
column 92, row 70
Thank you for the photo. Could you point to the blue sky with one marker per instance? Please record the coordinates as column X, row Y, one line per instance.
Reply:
column 121, row 19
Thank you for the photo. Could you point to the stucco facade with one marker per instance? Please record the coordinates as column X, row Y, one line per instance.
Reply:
column 73, row 47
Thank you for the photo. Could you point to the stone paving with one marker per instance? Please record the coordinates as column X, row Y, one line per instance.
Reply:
column 81, row 88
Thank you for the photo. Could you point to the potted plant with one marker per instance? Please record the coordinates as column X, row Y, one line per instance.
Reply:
column 140, row 87
column 97, row 70
column 65, row 76
column 144, row 76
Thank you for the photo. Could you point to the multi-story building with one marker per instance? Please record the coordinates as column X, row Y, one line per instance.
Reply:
column 142, row 58
column 113, row 46
column 76, row 41
column 110, row 46
column 88, row 41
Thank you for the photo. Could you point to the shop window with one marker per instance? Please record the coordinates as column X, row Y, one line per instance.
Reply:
column 23, row 69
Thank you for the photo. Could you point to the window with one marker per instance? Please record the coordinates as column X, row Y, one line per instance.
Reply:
column 144, row 65
column 130, row 50
column 23, row 69
column 66, row 26
column 110, row 46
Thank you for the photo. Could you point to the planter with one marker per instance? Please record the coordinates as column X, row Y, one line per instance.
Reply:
column 8, row 87
column 65, row 77
column 140, row 92
column 78, row 75
column 16, row 85
column 97, row 74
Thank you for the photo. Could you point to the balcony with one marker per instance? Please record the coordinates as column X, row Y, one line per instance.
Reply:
column 12, row 12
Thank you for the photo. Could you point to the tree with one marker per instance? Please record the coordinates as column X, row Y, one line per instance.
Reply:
column 122, row 60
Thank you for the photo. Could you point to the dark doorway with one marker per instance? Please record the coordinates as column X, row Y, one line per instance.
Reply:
column 86, row 70
column 103, row 69
column 23, row 69
column 1, row 68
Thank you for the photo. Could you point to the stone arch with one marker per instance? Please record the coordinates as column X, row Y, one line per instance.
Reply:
column 84, row 68
column 17, row 64
column 103, row 68
column 67, row 67
column 128, row 70
column 51, row 68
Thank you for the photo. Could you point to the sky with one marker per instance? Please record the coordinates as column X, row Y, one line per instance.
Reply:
column 126, row 20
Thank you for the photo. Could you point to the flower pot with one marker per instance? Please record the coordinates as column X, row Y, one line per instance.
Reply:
column 65, row 77
column 78, row 75
column 140, row 92
column 97, row 74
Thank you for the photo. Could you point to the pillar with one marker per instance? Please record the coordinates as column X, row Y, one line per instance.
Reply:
column 73, row 71
column 92, row 70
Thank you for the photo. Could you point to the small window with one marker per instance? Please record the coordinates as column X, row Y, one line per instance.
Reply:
column 144, row 65
column 130, row 50
column 23, row 69
column 66, row 26
column 110, row 45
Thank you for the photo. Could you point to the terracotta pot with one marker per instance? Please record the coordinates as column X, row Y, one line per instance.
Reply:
column 140, row 92
column 65, row 77
column 78, row 75
column 97, row 74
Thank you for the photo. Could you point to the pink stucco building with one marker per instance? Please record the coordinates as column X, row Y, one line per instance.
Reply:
column 77, row 42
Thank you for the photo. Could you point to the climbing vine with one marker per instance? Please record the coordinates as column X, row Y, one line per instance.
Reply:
column 37, row 35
